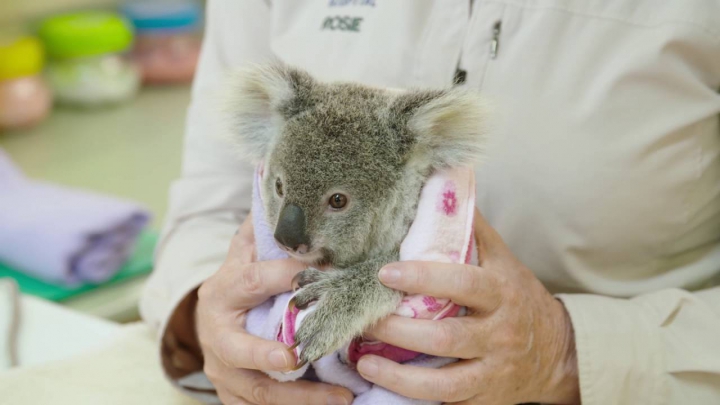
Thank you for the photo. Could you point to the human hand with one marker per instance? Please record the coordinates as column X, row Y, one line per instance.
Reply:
column 231, row 355
column 516, row 344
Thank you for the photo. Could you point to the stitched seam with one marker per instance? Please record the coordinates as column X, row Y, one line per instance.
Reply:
column 706, row 30
column 659, row 388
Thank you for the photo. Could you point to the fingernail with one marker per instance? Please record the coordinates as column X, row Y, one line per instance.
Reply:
column 278, row 359
column 368, row 367
column 337, row 399
column 389, row 275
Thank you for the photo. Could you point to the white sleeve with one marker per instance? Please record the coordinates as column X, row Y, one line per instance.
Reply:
column 657, row 348
column 213, row 194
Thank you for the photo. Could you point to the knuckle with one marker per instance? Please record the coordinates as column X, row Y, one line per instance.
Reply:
column 251, row 280
column 443, row 338
column 255, row 358
column 262, row 393
column 227, row 351
column 467, row 281
column 422, row 275
column 446, row 389
column 212, row 373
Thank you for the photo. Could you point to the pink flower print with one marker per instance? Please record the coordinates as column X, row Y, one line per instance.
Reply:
column 448, row 203
column 432, row 304
column 454, row 256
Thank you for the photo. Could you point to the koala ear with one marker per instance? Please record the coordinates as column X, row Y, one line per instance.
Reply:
column 447, row 127
column 260, row 98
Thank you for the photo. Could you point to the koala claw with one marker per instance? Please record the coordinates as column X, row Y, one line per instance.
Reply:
column 313, row 283
column 303, row 304
column 295, row 283
column 300, row 365
column 317, row 345
column 307, row 276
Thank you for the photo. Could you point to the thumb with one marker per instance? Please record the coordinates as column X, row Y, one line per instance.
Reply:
column 489, row 243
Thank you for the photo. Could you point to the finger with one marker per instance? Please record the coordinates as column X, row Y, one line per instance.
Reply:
column 258, row 388
column 449, row 337
column 236, row 349
column 245, row 232
column 464, row 284
column 226, row 398
column 455, row 382
column 489, row 243
column 242, row 245
column 251, row 284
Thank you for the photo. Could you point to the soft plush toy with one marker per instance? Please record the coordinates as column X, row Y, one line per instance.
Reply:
column 351, row 178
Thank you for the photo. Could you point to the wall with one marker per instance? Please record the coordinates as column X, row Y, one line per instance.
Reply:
column 14, row 13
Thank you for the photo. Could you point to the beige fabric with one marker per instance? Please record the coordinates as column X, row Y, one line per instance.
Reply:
column 604, row 177
column 125, row 371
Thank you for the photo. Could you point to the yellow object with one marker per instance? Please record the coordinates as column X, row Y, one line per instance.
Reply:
column 22, row 57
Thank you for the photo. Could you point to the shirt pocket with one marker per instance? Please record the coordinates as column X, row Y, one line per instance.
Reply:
column 605, row 130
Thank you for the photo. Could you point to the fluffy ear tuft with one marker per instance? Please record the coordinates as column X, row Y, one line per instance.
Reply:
column 449, row 128
column 259, row 99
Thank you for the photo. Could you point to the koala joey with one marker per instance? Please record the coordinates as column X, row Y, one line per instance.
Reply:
column 344, row 165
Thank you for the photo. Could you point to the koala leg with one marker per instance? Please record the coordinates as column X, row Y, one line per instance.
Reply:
column 348, row 301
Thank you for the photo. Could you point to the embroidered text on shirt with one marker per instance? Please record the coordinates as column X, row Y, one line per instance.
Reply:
column 340, row 3
column 342, row 23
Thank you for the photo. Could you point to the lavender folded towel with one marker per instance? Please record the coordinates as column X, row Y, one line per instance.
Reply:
column 64, row 235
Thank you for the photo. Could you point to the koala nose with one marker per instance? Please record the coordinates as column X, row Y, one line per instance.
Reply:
column 290, row 230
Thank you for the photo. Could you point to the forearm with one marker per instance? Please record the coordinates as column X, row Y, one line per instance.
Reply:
column 648, row 349
column 180, row 344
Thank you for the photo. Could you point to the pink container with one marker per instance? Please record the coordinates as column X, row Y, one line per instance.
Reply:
column 167, row 58
column 167, row 42
column 24, row 102
column 25, row 99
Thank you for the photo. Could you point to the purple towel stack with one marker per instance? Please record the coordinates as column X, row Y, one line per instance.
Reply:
column 63, row 235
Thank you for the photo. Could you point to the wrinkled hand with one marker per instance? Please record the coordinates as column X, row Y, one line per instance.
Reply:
column 516, row 345
column 231, row 355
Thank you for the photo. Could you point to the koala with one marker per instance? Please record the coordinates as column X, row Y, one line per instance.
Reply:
column 344, row 167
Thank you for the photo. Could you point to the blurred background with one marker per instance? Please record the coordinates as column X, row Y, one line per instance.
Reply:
column 93, row 95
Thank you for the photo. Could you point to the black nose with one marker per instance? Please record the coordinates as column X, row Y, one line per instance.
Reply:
column 290, row 230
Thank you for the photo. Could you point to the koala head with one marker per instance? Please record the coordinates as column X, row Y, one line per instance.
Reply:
column 343, row 163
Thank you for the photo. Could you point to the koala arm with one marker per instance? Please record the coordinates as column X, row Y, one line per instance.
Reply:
column 348, row 301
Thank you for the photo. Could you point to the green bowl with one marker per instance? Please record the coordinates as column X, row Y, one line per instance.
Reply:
column 85, row 34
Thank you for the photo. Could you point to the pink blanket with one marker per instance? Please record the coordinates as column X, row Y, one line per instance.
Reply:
column 441, row 232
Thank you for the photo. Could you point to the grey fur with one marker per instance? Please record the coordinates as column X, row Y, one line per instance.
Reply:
column 377, row 147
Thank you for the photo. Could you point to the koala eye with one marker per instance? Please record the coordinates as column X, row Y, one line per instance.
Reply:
column 279, row 187
column 338, row 201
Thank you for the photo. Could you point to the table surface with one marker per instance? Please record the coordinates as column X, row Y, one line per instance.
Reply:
column 131, row 150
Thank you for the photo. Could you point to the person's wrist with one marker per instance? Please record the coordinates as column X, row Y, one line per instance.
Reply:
column 564, row 384
column 181, row 347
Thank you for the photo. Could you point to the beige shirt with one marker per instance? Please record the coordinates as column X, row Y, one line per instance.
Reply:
column 604, row 178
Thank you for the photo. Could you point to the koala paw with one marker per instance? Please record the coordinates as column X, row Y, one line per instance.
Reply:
column 347, row 301
column 334, row 321
column 323, row 332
